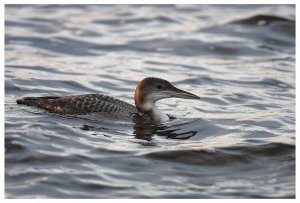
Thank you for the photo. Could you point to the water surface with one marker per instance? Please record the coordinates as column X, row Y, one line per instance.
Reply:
column 238, row 141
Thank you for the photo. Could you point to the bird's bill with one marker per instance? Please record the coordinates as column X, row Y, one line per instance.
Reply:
column 178, row 93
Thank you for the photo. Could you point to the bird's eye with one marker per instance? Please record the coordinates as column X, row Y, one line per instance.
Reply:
column 159, row 87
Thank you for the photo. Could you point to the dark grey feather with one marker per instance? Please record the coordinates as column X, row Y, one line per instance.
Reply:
column 80, row 104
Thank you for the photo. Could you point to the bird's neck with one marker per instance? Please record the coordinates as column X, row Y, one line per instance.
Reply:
column 148, row 107
column 151, row 110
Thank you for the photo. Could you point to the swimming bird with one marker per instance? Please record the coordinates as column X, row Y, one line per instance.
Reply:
column 148, row 91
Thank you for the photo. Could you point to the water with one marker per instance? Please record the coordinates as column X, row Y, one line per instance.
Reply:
column 237, row 142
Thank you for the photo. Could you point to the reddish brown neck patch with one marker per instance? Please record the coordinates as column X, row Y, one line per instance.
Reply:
column 138, row 95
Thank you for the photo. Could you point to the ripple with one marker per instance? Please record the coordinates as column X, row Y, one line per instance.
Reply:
column 41, row 68
column 238, row 141
column 159, row 19
column 260, row 20
column 225, row 156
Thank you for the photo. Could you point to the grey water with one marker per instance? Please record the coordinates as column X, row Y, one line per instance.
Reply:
column 238, row 141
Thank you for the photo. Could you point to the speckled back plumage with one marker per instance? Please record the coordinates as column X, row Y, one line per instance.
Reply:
column 80, row 104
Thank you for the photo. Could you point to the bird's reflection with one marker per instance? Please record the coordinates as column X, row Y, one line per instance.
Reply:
column 146, row 131
column 176, row 129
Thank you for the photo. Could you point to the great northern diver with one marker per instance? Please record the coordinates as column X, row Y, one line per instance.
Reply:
column 147, row 93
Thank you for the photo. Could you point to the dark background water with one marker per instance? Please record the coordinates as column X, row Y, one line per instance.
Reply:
column 237, row 142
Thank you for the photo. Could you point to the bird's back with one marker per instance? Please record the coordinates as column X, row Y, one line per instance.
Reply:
column 80, row 104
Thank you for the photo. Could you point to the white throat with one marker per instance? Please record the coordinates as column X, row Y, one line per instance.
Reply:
column 157, row 114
